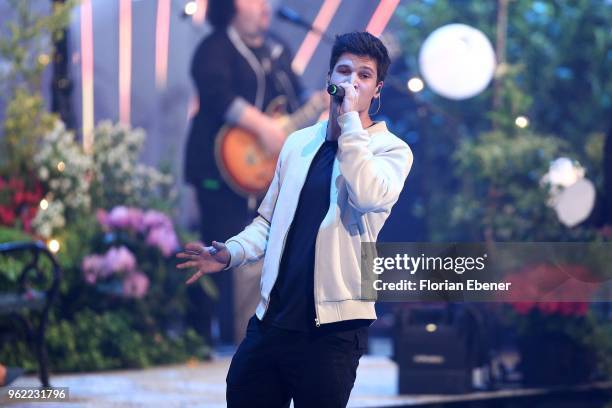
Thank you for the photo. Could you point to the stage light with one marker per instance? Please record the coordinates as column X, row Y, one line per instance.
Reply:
column 43, row 59
column 457, row 61
column 44, row 204
column 191, row 7
column 431, row 327
column 53, row 245
column 522, row 122
column 415, row 85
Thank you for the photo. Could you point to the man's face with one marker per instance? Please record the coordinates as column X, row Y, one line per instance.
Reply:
column 252, row 16
column 361, row 73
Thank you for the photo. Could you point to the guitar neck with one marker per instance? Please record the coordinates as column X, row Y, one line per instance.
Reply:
column 305, row 115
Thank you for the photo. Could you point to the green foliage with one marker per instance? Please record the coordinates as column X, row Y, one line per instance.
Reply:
column 599, row 340
column 91, row 330
column 483, row 172
column 102, row 341
column 557, row 74
column 11, row 267
column 25, row 124
column 503, row 195
column 88, row 329
column 25, row 46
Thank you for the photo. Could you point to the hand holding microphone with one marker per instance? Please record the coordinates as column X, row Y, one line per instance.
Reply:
column 336, row 91
column 345, row 95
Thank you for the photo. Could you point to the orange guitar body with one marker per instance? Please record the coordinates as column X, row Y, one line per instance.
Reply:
column 241, row 159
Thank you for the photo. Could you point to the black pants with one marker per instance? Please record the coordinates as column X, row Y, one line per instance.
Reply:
column 273, row 366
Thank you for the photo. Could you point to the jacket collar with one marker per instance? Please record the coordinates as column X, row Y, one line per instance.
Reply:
column 376, row 127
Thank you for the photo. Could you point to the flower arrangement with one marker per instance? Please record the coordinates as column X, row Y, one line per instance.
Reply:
column 110, row 176
column 66, row 171
column 119, row 179
column 116, row 271
column 18, row 202
column 154, row 226
column 550, row 291
column 555, row 329
column 117, row 265
column 50, row 187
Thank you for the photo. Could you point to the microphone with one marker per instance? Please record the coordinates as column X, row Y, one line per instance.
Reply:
column 336, row 91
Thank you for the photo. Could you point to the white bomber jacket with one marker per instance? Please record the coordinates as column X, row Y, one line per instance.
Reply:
column 368, row 175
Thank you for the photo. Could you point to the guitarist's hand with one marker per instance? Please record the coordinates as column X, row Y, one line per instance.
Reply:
column 320, row 100
column 271, row 136
column 205, row 259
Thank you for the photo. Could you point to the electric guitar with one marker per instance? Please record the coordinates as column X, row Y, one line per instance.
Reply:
column 241, row 159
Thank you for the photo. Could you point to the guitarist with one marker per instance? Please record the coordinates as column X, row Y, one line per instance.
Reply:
column 238, row 69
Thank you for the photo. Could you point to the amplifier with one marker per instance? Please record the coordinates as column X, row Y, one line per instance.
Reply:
column 435, row 351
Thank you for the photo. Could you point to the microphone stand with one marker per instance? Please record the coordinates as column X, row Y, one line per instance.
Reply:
column 291, row 16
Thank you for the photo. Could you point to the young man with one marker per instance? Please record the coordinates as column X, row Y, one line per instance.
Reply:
column 334, row 187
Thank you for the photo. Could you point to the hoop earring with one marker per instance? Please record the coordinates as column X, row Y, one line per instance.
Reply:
column 379, row 105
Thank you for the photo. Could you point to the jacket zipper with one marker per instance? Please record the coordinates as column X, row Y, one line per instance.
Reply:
column 283, row 248
column 280, row 258
column 317, row 322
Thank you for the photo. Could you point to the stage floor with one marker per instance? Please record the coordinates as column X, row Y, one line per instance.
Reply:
column 202, row 384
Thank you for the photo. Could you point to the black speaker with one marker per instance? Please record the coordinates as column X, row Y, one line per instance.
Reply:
column 436, row 350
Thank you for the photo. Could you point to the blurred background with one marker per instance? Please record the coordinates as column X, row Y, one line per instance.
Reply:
column 506, row 105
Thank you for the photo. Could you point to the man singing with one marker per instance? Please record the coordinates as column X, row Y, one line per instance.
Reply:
column 334, row 187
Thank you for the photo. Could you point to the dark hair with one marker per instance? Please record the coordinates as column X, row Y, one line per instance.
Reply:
column 363, row 44
column 220, row 13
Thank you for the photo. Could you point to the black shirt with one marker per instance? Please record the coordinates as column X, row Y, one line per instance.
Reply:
column 292, row 298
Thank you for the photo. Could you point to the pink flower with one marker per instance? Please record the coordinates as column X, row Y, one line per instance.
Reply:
column 135, row 219
column 136, row 285
column 164, row 238
column 93, row 267
column 119, row 260
column 119, row 217
column 153, row 218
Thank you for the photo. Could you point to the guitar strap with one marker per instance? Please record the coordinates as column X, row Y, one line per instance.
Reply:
column 276, row 49
column 252, row 60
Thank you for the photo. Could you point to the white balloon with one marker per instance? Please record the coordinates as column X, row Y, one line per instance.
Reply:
column 457, row 61
column 575, row 203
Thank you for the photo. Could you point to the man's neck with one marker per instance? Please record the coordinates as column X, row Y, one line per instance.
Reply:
column 250, row 39
column 333, row 128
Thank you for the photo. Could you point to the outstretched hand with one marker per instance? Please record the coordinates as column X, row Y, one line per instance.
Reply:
column 206, row 259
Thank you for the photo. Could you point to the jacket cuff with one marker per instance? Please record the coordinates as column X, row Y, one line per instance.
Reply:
column 236, row 253
column 350, row 122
